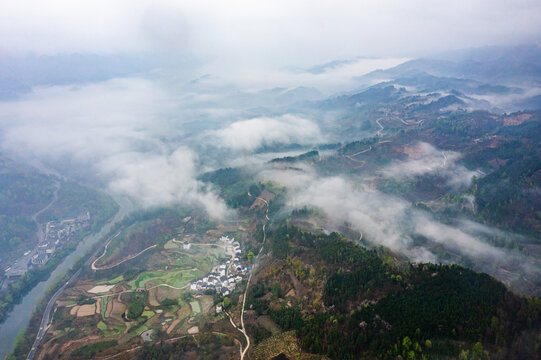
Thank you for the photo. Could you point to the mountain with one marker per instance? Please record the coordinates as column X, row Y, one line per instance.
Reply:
column 504, row 65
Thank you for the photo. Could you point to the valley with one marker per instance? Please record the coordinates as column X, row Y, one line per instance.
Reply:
column 396, row 216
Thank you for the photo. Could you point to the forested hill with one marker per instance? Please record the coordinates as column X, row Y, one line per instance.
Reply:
column 347, row 302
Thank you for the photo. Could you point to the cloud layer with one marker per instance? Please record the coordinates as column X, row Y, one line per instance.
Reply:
column 123, row 130
column 254, row 133
column 423, row 158
column 242, row 33
column 394, row 223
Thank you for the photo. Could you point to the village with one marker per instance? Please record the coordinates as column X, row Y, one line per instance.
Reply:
column 57, row 233
column 224, row 277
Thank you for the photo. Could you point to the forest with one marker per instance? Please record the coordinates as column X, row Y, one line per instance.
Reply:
column 382, row 309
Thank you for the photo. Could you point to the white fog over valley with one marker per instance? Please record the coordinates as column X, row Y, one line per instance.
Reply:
column 143, row 100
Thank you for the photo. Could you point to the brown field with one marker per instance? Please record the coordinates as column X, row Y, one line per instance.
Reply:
column 118, row 308
column 164, row 292
column 172, row 326
column 74, row 310
column 98, row 306
column 290, row 293
column 109, row 308
column 86, row 310
column 184, row 311
column 206, row 303
column 152, row 297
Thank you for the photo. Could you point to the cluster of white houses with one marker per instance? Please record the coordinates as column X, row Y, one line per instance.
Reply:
column 57, row 233
column 225, row 277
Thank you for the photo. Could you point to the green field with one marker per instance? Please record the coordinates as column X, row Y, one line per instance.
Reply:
column 63, row 332
column 196, row 308
column 102, row 326
column 112, row 281
column 103, row 306
column 148, row 314
column 176, row 278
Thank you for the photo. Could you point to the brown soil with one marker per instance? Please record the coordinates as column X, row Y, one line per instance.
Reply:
column 86, row 310
column 515, row 120
column 73, row 310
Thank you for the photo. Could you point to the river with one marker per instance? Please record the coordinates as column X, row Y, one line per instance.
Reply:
column 20, row 316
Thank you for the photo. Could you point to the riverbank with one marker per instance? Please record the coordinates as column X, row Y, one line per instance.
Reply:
column 24, row 343
column 21, row 315
column 22, row 286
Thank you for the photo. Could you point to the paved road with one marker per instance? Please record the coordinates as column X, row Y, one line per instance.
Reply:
column 242, row 329
column 378, row 133
column 46, row 319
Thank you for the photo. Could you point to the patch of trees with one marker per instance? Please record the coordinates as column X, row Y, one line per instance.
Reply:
column 74, row 198
column 467, row 124
column 223, row 177
column 89, row 351
column 169, row 302
column 443, row 301
column 22, row 193
column 257, row 333
column 310, row 155
column 508, row 196
column 440, row 302
column 207, row 346
column 356, row 146
column 141, row 230
column 136, row 304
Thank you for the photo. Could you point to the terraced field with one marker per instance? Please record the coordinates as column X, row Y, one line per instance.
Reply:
column 175, row 278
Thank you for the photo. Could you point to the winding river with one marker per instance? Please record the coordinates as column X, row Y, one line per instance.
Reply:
column 20, row 315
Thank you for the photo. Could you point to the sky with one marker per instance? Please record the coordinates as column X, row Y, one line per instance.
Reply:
column 269, row 33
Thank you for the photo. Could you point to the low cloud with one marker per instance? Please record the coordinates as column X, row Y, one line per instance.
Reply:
column 119, row 130
column 393, row 222
column 423, row 158
column 161, row 180
column 254, row 133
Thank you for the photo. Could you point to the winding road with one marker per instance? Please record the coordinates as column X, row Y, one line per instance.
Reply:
column 93, row 266
column 378, row 133
column 123, row 260
column 444, row 159
column 241, row 328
